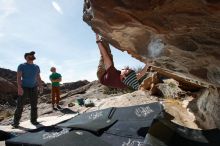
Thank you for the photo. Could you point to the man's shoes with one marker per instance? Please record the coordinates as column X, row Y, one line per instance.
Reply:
column 35, row 123
column 53, row 107
column 15, row 125
column 59, row 107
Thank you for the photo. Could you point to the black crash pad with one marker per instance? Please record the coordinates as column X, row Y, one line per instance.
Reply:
column 37, row 137
column 5, row 135
column 137, row 113
column 78, row 138
column 88, row 117
column 112, row 126
column 133, row 129
column 116, row 140
column 166, row 133
column 97, row 126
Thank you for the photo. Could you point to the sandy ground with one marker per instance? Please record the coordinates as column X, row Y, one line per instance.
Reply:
column 2, row 143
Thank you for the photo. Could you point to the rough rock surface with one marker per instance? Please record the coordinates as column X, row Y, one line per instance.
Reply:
column 74, row 85
column 179, row 35
column 170, row 89
column 7, row 81
column 8, row 75
column 206, row 108
column 182, row 36
column 6, row 86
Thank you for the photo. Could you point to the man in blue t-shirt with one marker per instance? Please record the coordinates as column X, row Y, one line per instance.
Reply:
column 28, row 79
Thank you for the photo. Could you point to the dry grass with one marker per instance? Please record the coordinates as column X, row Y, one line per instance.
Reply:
column 172, row 101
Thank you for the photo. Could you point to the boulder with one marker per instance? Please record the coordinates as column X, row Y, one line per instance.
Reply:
column 149, row 82
column 170, row 89
column 182, row 36
column 8, row 75
column 7, row 87
column 206, row 108
column 74, row 85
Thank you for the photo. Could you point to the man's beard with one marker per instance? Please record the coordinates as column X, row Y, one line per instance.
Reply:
column 31, row 58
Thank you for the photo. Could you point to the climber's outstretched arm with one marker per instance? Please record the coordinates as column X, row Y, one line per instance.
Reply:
column 143, row 72
column 106, row 57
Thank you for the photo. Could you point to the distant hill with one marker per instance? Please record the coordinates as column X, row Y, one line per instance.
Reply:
column 7, row 82
column 8, row 74
column 8, row 87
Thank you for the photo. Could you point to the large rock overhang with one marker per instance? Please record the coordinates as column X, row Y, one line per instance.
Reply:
column 180, row 35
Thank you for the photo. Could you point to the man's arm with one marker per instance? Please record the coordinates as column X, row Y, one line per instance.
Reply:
column 19, row 83
column 39, row 81
column 56, row 80
column 59, row 79
column 142, row 72
column 106, row 57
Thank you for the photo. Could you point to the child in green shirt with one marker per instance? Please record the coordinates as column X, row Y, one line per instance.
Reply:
column 55, row 92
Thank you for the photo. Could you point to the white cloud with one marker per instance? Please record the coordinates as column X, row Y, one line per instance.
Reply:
column 7, row 8
column 57, row 7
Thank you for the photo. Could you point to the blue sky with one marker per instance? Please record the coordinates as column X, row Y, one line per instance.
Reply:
column 54, row 29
